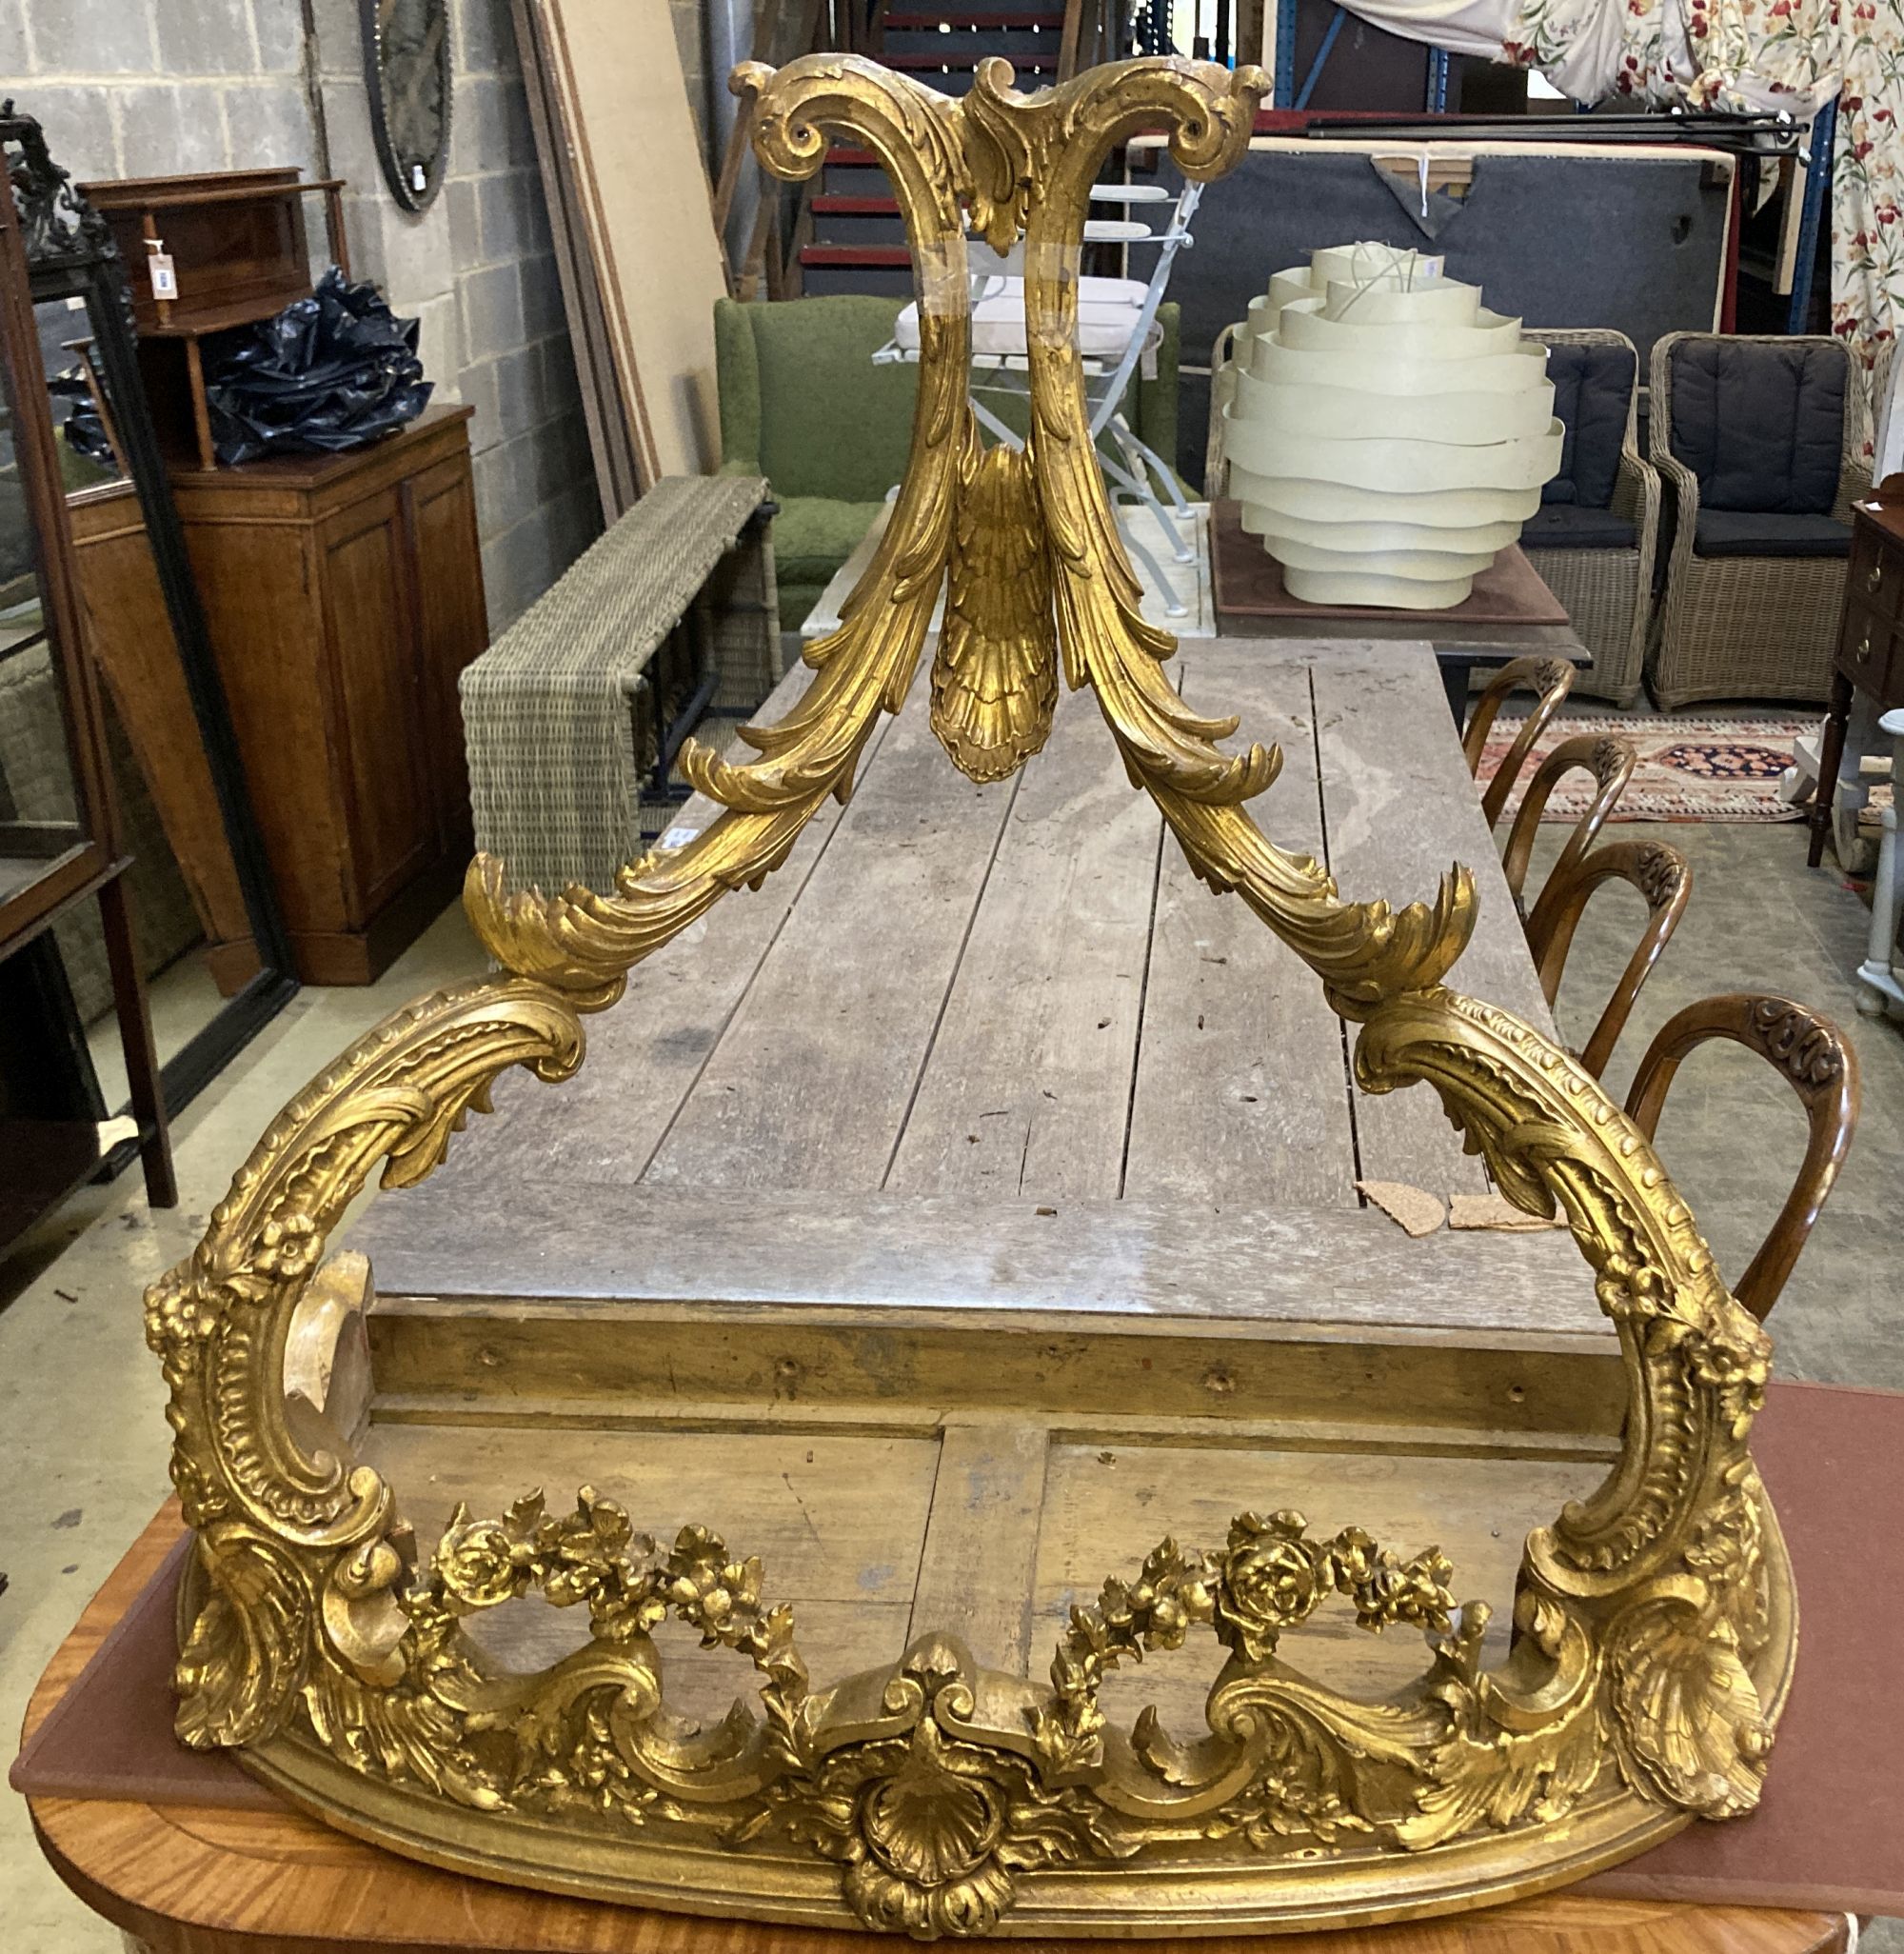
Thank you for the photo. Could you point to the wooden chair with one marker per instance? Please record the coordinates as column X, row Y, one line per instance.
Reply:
column 1662, row 875
column 1552, row 678
column 1822, row 1070
column 1611, row 760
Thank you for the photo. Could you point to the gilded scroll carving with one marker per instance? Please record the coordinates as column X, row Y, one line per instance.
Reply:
column 1650, row 1624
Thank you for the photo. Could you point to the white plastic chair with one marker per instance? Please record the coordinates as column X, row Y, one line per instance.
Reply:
column 1117, row 327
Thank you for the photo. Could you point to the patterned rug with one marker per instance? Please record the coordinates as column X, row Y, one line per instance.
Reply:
column 1725, row 768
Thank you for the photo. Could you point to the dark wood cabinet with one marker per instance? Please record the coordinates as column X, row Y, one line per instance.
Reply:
column 1870, row 655
column 345, row 595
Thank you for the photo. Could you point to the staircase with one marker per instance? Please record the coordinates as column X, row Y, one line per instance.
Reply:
column 858, row 237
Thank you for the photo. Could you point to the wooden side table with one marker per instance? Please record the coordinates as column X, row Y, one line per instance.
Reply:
column 1867, row 667
column 207, row 1880
column 1511, row 614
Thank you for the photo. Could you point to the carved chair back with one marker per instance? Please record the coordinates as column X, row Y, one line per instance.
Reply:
column 1664, row 876
column 1611, row 760
column 1552, row 679
column 1821, row 1068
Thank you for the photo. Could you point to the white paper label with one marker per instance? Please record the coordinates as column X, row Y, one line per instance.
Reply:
column 165, row 279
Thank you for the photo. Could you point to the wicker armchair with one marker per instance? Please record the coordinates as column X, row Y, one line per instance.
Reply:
column 1595, row 536
column 1756, row 577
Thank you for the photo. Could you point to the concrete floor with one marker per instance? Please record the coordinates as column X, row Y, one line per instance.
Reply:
column 81, row 1401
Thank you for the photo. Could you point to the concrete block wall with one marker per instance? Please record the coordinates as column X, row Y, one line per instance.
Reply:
column 130, row 88
column 478, row 270
column 140, row 88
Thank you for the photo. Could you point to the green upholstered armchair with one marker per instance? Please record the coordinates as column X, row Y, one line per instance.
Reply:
column 802, row 404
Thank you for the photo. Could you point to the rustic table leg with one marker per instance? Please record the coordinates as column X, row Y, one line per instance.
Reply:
column 1456, row 666
column 1829, row 756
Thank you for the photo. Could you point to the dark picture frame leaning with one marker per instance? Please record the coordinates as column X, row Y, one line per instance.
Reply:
column 71, row 256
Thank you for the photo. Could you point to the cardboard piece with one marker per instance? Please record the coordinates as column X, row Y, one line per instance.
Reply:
column 1414, row 1211
column 610, row 72
column 1495, row 1211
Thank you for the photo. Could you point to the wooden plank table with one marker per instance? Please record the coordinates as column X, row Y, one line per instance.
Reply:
column 986, row 1149
column 1017, row 993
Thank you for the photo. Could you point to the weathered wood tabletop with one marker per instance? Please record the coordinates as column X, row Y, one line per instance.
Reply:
column 957, row 1009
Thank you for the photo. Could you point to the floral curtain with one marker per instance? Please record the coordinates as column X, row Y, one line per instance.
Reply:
column 1764, row 54
column 1868, row 185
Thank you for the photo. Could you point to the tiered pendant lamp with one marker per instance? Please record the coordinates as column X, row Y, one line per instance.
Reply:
column 1387, row 434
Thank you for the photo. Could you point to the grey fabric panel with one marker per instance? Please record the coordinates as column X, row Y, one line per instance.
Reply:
column 1577, row 526
column 1751, row 532
column 556, row 722
column 1593, row 387
column 1762, row 427
column 1636, row 243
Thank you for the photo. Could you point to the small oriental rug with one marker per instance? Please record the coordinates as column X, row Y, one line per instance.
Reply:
column 1718, row 769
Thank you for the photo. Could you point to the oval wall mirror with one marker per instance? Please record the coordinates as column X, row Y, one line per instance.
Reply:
column 407, row 68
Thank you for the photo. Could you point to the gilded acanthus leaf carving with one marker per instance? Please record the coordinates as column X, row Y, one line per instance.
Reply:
column 1651, row 1628
column 995, row 674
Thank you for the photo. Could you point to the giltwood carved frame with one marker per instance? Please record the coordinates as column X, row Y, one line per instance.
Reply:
column 1653, row 1625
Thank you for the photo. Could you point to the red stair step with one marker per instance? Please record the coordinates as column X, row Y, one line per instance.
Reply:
column 837, row 204
column 862, row 255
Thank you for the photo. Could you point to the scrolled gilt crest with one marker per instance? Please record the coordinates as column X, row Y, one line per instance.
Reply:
column 1652, row 1630
column 57, row 225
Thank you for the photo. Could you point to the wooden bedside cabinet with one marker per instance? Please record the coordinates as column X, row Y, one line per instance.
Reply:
column 344, row 596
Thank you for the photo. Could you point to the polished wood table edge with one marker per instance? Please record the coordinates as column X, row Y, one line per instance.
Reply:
column 205, row 1880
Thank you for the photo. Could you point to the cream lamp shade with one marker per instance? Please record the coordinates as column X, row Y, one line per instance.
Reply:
column 1386, row 434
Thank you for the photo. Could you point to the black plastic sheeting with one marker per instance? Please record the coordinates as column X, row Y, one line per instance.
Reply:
column 85, row 432
column 331, row 372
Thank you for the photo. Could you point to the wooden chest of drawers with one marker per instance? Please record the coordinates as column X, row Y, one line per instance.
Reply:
column 1870, row 657
column 1871, row 643
column 343, row 596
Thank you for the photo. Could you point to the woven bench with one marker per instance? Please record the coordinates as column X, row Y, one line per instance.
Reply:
column 571, row 719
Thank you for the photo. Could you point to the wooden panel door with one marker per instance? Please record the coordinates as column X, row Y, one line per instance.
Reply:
column 452, row 621
column 373, row 703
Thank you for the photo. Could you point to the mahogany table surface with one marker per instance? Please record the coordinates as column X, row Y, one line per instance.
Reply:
column 202, row 1879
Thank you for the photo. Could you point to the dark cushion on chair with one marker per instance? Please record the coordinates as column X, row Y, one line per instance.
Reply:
column 1592, row 386
column 1744, row 532
column 1761, row 425
column 1574, row 526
